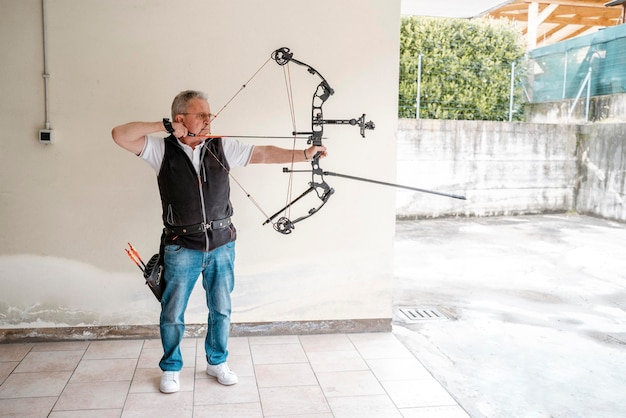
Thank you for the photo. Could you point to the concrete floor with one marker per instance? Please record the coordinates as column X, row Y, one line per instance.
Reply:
column 535, row 307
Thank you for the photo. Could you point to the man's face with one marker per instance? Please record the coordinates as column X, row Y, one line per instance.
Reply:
column 197, row 117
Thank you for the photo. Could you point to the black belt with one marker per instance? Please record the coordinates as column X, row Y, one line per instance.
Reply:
column 197, row 228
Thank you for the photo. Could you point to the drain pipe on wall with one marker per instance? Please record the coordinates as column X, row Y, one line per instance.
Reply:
column 46, row 135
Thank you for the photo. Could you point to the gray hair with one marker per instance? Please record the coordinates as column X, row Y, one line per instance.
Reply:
column 179, row 105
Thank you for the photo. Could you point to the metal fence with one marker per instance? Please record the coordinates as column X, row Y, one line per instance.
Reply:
column 473, row 90
column 573, row 70
column 582, row 67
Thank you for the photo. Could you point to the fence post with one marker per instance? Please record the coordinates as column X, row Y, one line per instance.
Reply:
column 565, row 76
column 588, row 97
column 582, row 86
column 419, row 86
column 512, row 91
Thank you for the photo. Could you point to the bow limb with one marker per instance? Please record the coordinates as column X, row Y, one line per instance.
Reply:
column 317, row 184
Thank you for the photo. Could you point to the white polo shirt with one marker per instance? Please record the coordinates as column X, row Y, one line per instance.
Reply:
column 237, row 153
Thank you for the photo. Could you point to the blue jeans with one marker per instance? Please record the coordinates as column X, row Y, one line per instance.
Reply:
column 182, row 269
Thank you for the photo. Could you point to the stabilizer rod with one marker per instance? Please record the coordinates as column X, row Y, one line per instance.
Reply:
column 383, row 183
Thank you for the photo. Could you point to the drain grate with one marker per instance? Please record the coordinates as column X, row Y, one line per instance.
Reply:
column 419, row 314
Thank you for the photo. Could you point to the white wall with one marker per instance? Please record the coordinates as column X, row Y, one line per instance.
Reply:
column 68, row 209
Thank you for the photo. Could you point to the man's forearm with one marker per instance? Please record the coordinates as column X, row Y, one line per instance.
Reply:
column 269, row 154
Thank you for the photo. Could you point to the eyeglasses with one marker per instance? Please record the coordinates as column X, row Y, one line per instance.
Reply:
column 201, row 116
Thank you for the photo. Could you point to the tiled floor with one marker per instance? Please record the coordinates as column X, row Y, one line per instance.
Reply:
column 336, row 375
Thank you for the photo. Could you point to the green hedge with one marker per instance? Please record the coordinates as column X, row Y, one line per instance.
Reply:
column 466, row 68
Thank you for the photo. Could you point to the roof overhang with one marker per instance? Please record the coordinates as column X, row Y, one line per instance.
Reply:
column 548, row 22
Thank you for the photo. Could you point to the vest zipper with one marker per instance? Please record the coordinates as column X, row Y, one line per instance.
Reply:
column 202, row 175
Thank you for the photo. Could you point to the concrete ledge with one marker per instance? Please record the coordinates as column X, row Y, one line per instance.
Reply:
column 13, row 335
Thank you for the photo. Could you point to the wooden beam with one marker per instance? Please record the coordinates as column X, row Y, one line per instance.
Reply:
column 533, row 24
column 563, row 35
column 567, row 14
column 579, row 31
column 587, row 11
column 587, row 3
column 546, row 12
column 523, row 4
column 602, row 22
column 552, row 17
column 553, row 30
column 562, row 9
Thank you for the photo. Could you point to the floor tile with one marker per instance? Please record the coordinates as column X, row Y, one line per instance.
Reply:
column 210, row 392
column 6, row 368
column 235, row 410
column 147, row 380
column 88, row 413
column 44, row 361
column 114, row 349
column 379, row 345
column 107, row 370
column 336, row 361
column 363, row 406
column 293, row 401
column 150, row 357
column 435, row 412
column 238, row 346
column 31, row 385
column 312, row 376
column 61, row 346
column 278, row 353
column 172, row 405
column 93, row 395
column 276, row 375
column 320, row 415
column 276, row 339
column 398, row 369
column 27, row 407
column 326, row 342
column 350, row 383
column 189, row 342
column 14, row 352
column 153, row 343
column 418, row 393
column 189, row 356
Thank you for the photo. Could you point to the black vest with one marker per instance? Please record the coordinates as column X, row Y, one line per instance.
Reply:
column 190, row 198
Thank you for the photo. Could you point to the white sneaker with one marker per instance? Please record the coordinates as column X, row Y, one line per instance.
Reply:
column 170, row 382
column 223, row 373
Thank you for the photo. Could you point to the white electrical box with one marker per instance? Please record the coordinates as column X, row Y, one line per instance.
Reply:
column 46, row 136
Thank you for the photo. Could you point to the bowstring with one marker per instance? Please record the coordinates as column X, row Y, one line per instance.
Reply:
column 244, row 85
column 289, row 91
column 230, row 175
column 248, row 195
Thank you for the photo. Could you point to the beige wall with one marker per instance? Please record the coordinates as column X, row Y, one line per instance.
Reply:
column 68, row 209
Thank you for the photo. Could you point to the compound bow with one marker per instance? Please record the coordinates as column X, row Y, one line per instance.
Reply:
column 323, row 91
column 318, row 184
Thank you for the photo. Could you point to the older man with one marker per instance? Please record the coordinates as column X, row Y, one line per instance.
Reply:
column 199, row 237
